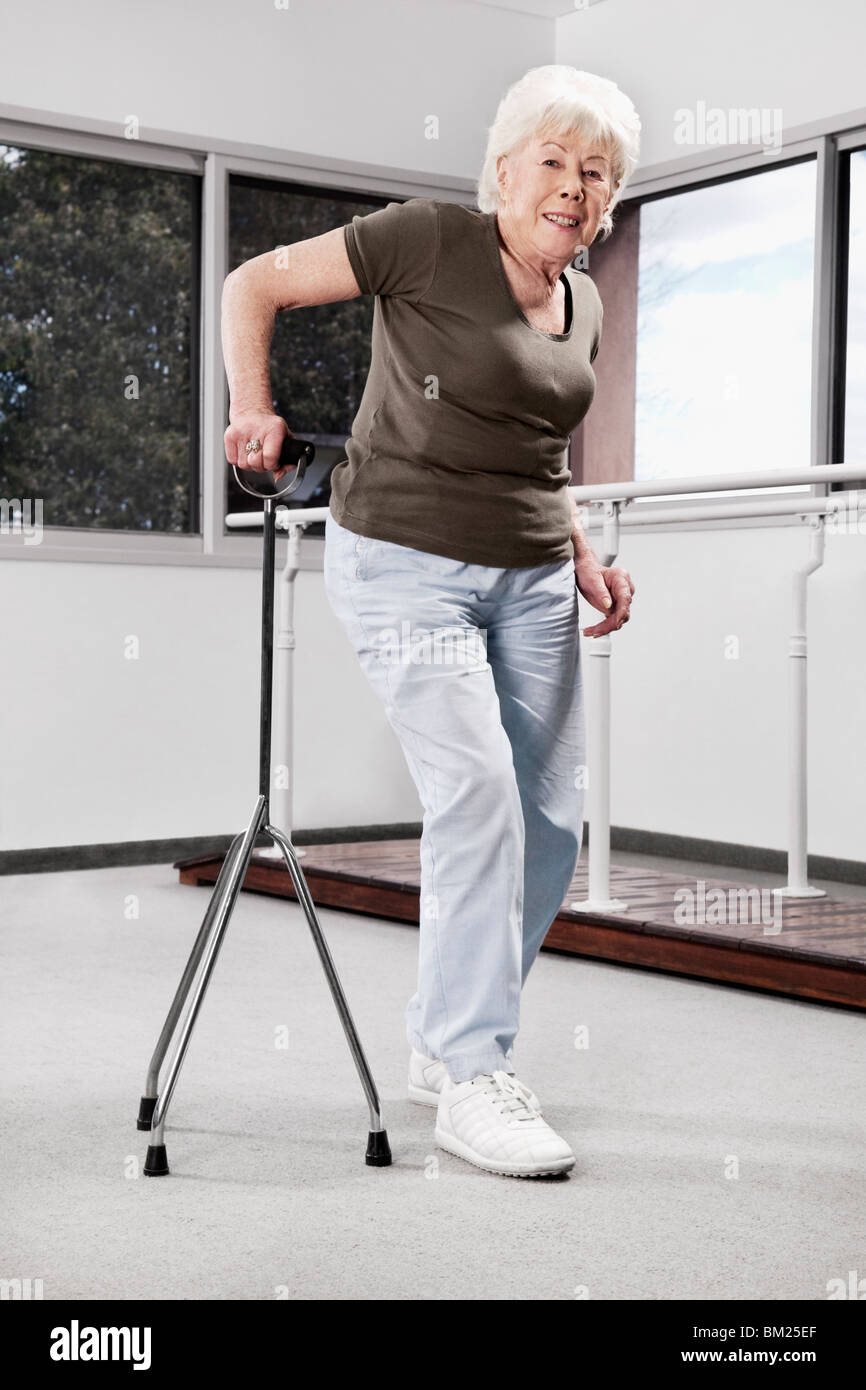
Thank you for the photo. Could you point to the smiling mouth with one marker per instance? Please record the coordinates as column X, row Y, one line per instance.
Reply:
column 562, row 220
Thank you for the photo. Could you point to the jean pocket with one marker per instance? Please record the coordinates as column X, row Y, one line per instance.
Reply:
column 343, row 550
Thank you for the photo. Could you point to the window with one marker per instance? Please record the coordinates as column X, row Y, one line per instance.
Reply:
column 724, row 331
column 99, row 341
column 320, row 356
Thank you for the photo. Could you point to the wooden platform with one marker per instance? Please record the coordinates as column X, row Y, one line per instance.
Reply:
column 812, row 948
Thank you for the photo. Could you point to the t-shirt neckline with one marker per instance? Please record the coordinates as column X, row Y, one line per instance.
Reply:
column 503, row 279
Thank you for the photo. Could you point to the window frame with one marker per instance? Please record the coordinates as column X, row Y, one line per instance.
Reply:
column 214, row 163
column 829, row 143
column 719, row 179
column 827, row 140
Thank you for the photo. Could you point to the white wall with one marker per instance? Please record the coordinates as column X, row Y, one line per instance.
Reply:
column 339, row 78
column 101, row 748
column 700, row 742
column 807, row 60
column 703, row 740
column 97, row 748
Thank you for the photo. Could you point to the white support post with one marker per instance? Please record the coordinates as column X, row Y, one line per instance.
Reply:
column 598, row 748
column 798, row 886
column 282, row 764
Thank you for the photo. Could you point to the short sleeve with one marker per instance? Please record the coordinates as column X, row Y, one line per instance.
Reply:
column 395, row 250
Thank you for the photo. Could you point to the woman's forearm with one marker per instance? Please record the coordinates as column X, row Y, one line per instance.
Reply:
column 247, row 332
column 305, row 273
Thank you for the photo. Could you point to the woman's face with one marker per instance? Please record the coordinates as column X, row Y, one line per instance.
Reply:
column 554, row 174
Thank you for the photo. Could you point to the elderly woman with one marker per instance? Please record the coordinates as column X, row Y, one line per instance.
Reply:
column 451, row 522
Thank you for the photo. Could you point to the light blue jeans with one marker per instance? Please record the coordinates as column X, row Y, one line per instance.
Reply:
column 479, row 672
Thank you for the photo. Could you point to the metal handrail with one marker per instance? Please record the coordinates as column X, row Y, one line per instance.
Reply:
column 613, row 498
column 720, row 482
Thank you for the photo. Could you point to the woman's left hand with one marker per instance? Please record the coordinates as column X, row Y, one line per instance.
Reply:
column 608, row 588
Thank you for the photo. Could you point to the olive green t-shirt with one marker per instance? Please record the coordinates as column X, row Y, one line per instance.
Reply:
column 460, row 443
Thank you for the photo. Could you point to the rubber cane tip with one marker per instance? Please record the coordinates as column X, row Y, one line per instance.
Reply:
column 145, row 1112
column 378, row 1149
column 156, row 1163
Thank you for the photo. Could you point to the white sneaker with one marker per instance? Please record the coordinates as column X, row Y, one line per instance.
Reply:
column 489, row 1122
column 427, row 1077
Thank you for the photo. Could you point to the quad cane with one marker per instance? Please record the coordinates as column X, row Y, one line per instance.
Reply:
column 199, row 968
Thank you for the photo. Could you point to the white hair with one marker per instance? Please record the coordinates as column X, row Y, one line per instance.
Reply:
column 557, row 98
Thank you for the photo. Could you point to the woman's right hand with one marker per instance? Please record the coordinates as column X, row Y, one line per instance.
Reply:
column 273, row 432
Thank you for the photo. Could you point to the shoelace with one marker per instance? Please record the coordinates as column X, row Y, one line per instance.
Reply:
column 507, row 1093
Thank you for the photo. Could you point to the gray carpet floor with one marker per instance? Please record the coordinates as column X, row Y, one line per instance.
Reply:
column 719, row 1132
